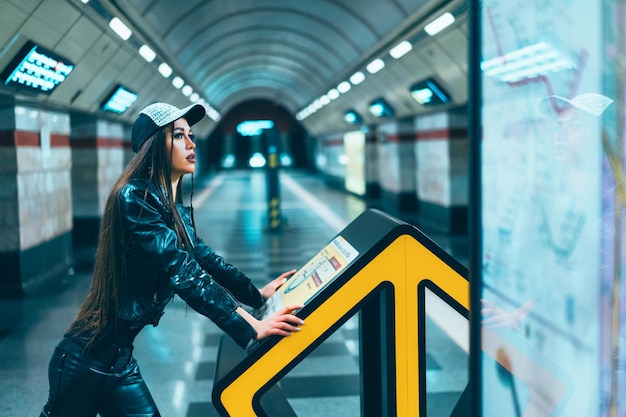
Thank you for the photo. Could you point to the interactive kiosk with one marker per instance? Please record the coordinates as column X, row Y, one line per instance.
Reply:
column 377, row 265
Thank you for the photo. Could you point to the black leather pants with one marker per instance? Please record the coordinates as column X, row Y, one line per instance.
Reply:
column 107, row 383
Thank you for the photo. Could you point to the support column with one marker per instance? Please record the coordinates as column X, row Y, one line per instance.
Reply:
column 396, row 165
column 98, row 159
column 271, row 140
column 35, row 197
column 372, row 172
column 441, row 150
column 229, row 159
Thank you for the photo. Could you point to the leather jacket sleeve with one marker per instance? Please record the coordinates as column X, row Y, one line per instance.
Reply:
column 227, row 275
column 157, row 265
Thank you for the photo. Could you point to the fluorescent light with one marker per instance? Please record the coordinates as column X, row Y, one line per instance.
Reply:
column 165, row 70
column 429, row 93
column 178, row 82
column 375, row 66
column 147, row 53
column 400, row 49
column 344, row 87
column 357, row 78
column 212, row 113
column 380, row 108
column 528, row 62
column 187, row 90
column 120, row 28
column 324, row 100
column 332, row 93
column 439, row 24
column 352, row 117
column 254, row 127
column 317, row 104
column 194, row 97
column 120, row 100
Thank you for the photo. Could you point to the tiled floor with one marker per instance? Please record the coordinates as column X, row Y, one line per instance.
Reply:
column 178, row 357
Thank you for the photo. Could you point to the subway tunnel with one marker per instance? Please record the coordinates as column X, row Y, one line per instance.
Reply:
column 494, row 130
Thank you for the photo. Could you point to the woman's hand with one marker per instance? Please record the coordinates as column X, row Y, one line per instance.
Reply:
column 270, row 289
column 281, row 323
column 495, row 318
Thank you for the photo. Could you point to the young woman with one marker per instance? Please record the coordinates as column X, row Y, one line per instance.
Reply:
column 147, row 252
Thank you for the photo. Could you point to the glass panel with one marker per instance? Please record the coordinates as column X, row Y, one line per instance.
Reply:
column 552, row 197
column 446, row 357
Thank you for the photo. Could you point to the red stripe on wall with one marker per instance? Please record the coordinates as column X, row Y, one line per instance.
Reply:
column 399, row 137
column 23, row 139
column 92, row 143
column 457, row 133
column 20, row 138
column 59, row 141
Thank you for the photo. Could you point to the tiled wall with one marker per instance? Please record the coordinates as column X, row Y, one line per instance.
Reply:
column 417, row 165
column 35, row 202
column 56, row 171
column 396, row 165
column 442, row 156
column 99, row 155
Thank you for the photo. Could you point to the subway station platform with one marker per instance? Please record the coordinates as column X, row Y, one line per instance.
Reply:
column 177, row 358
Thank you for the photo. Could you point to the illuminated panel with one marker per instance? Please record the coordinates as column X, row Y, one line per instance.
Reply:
column 429, row 93
column 254, row 127
column 36, row 69
column 119, row 100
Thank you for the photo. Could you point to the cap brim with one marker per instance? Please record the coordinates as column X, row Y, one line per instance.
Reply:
column 194, row 113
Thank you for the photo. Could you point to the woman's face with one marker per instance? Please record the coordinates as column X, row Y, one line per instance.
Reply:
column 179, row 143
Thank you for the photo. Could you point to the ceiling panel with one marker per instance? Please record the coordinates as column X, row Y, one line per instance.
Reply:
column 230, row 51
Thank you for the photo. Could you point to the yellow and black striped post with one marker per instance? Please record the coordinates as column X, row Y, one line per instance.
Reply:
column 274, row 216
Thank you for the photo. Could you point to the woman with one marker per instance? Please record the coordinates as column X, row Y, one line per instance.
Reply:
column 147, row 252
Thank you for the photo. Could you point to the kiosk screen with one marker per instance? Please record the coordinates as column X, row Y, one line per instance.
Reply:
column 312, row 277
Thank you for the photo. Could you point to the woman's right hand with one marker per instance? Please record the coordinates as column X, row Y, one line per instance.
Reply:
column 281, row 323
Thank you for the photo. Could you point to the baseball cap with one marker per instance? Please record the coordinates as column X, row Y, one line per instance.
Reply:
column 158, row 115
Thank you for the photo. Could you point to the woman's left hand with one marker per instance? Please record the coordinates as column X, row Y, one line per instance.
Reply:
column 271, row 288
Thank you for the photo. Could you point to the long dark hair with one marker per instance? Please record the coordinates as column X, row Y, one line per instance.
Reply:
column 106, row 292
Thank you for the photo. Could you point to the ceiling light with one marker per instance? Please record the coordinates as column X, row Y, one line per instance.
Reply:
column 213, row 114
column 439, row 24
column 429, row 93
column 344, row 87
column 119, row 100
column 528, row 62
column 147, row 53
column 187, row 90
column 380, row 108
column 178, row 82
column 165, row 70
column 357, row 78
column 254, row 127
column 375, row 66
column 194, row 97
column 120, row 28
column 400, row 49
column 332, row 93
column 317, row 104
column 352, row 117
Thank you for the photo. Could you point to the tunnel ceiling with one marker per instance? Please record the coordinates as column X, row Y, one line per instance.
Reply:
column 290, row 52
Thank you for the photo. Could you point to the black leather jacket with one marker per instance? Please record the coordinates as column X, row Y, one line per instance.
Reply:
column 157, row 268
